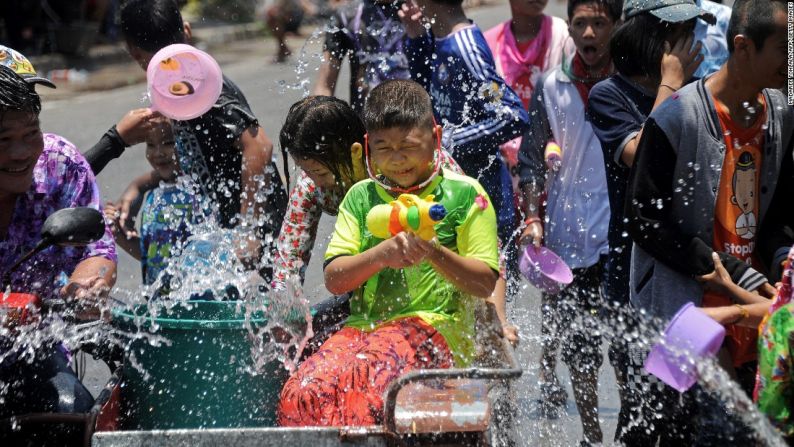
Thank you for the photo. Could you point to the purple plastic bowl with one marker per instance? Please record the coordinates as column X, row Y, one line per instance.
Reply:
column 690, row 330
column 544, row 269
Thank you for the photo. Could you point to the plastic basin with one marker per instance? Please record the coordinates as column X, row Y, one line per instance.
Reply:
column 184, row 82
column 544, row 269
column 692, row 331
column 199, row 381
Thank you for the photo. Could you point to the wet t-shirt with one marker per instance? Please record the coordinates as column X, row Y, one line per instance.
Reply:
column 468, row 229
column 736, row 213
column 208, row 151
column 165, row 217
column 372, row 34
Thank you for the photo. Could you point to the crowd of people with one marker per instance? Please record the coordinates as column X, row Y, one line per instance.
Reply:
column 672, row 158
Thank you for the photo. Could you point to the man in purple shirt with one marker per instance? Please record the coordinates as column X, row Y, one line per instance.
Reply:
column 40, row 174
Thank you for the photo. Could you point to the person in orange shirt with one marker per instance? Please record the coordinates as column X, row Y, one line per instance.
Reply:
column 712, row 173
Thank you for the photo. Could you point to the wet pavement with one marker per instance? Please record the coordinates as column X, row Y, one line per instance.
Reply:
column 271, row 89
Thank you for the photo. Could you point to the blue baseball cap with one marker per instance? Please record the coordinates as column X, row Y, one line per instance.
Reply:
column 17, row 62
column 673, row 11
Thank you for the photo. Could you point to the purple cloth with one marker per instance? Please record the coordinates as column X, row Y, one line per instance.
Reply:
column 62, row 178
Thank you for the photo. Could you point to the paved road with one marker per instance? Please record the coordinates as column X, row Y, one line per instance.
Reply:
column 270, row 90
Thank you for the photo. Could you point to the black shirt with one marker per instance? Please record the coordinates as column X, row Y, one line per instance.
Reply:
column 208, row 152
column 618, row 108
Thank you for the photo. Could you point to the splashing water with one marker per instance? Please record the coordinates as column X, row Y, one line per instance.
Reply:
column 303, row 80
column 617, row 327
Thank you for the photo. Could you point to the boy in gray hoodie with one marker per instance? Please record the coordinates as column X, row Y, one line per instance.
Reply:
column 711, row 172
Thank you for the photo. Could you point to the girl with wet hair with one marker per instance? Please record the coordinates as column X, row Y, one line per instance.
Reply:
column 323, row 135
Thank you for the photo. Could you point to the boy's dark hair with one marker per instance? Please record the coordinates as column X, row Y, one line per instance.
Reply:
column 16, row 94
column 637, row 45
column 397, row 103
column 152, row 24
column 613, row 8
column 754, row 19
column 322, row 128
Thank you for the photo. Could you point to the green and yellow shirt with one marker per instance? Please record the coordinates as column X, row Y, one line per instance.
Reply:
column 468, row 229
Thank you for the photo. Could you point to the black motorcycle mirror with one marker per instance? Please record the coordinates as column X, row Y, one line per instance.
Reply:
column 67, row 227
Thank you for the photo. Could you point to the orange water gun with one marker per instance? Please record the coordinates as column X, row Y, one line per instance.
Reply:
column 408, row 213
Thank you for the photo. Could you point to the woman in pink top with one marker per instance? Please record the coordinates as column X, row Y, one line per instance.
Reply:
column 524, row 48
column 527, row 46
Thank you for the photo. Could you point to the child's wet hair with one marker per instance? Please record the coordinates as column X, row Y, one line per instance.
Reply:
column 16, row 94
column 754, row 19
column 398, row 103
column 613, row 8
column 152, row 24
column 322, row 128
column 637, row 45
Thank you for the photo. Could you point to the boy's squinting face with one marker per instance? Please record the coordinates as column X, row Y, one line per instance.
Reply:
column 527, row 8
column 404, row 156
column 21, row 144
column 590, row 28
column 160, row 152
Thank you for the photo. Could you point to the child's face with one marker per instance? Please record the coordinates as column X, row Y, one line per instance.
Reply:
column 590, row 28
column 527, row 8
column 160, row 152
column 404, row 156
column 318, row 172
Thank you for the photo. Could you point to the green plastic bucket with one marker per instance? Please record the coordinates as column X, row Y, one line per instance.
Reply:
column 199, row 381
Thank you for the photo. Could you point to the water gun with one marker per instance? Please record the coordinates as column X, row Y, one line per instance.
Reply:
column 408, row 213
column 553, row 155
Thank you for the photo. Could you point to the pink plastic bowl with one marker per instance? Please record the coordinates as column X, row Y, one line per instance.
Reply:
column 690, row 330
column 184, row 82
column 544, row 269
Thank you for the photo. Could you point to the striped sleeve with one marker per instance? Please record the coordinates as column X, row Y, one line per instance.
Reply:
column 496, row 113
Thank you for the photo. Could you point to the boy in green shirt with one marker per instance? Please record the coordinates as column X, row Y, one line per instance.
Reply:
column 411, row 305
